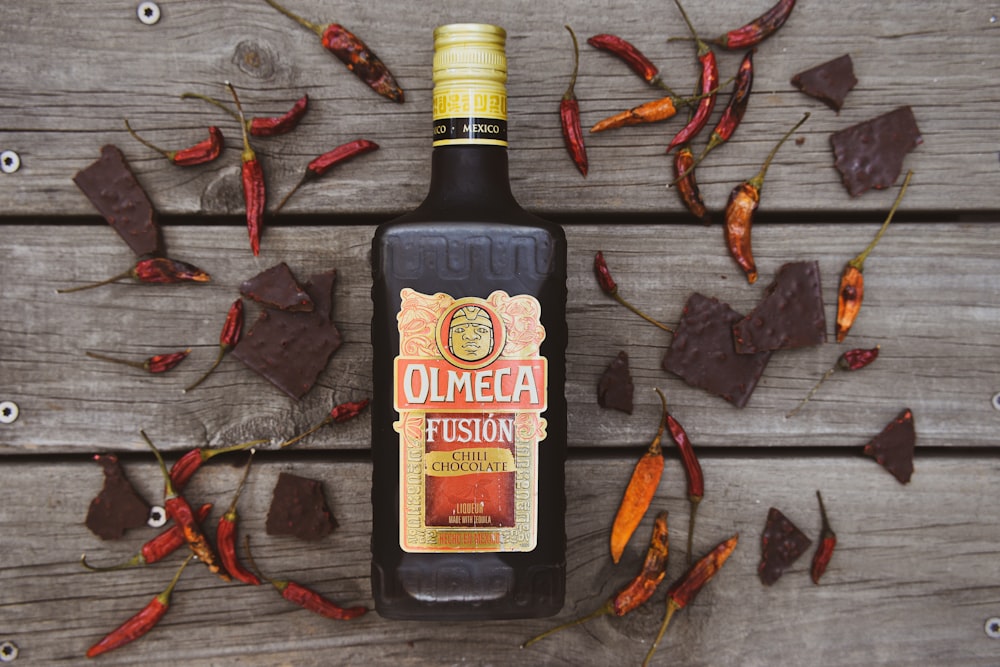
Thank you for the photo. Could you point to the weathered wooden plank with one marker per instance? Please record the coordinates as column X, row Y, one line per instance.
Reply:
column 930, row 302
column 59, row 108
column 912, row 581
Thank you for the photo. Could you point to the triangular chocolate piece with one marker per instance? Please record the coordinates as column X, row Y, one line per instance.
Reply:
column 781, row 544
column 703, row 353
column 615, row 388
column 118, row 507
column 829, row 82
column 870, row 154
column 115, row 192
column 298, row 508
column 790, row 315
column 893, row 448
column 276, row 287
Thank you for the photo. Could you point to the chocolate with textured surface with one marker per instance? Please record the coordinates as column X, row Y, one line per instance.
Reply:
column 615, row 388
column 320, row 289
column 781, row 544
column 114, row 191
column 893, row 448
column 298, row 508
column 870, row 154
column 790, row 314
column 118, row 507
column 829, row 82
column 703, row 353
column 276, row 287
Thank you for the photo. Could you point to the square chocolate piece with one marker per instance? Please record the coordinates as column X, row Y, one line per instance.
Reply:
column 615, row 389
column 829, row 82
column 870, row 154
column 704, row 355
column 299, row 509
column 276, row 287
column 790, row 315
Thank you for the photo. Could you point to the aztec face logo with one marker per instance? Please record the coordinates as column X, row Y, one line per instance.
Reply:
column 470, row 334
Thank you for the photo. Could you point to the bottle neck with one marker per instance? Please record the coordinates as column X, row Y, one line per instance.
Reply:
column 470, row 177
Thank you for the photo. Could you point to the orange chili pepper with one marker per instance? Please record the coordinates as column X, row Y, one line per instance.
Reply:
column 640, row 490
column 852, row 280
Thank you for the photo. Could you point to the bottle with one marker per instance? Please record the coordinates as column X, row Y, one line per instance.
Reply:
column 469, row 339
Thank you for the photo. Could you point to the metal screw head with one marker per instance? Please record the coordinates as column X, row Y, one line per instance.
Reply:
column 9, row 162
column 148, row 12
column 8, row 651
column 8, row 412
column 996, row 400
column 992, row 627
column 157, row 517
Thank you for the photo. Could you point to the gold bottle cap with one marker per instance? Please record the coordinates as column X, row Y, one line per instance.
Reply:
column 470, row 51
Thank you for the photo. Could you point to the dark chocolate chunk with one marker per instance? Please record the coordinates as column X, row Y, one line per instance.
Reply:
column 789, row 315
column 870, row 154
column 615, row 388
column 893, row 447
column 298, row 508
column 829, row 82
column 703, row 353
column 114, row 191
column 118, row 507
column 781, row 544
column 320, row 289
column 276, row 287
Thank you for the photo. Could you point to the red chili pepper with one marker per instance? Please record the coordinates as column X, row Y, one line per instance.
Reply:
column 225, row 537
column 230, row 335
column 757, row 30
column 202, row 152
column 354, row 53
column 631, row 56
column 610, row 287
column 141, row 623
column 156, row 549
column 687, row 186
column 339, row 414
column 252, row 176
column 186, row 466
column 740, row 209
column 180, row 511
column 569, row 115
column 323, row 163
column 852, row 360
column 692, row 470
column 268, row 126
column 159, row 363
column 709, row 83
column 827, row 543
column 159, row 270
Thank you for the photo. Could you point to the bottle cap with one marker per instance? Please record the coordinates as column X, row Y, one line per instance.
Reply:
column 470, row 51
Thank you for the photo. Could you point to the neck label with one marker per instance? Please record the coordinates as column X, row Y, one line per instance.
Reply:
column 470, row 115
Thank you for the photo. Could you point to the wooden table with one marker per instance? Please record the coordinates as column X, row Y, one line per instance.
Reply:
column 916, row 574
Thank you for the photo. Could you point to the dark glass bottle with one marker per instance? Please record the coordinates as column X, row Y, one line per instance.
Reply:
column 469, row 339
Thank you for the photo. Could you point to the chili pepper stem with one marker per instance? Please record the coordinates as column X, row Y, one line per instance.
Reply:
column 758, row 180
column 291, row 192
column 113, row 279
column 604, row 610
column 825, row 528
column 131, row 562
column 641, row 314
column 218, row 360
column 859, row 261
column 318, row 29
column 826, row 376
column 248, row 152
column 568, row 95
column 307, row 433
column 169, row 486
column 162, row 151
column 703, row 48
column 713, row 142
column 210, row 100
column 124, row 362
column 671, row 609
column 231, row 512
column 238, row 447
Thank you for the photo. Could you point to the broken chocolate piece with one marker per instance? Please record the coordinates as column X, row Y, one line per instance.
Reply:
column 276, row 287
column 298, row 508
column 829, row 82
column 893, row 447
column 320, row 289
column 118, row 507
column 870, row 154
column 781, row 544
column 615, row 388
column 703, row 353
column 789, row 315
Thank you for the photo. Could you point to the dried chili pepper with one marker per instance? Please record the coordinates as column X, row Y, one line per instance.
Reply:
column 610, row 287
column 638, row 591
column 323, row 163
column 569, row 115
column 640, row 490
column 202, row 152
column 158, row 363
column 740, row 209
column 827, row 543
column 685, row 589
column 631, row 56
column 708, row 85
column 154, row 550
column 185, row 467
column 339, row 414
column 692, row 471
column 252, row 177
column 852, row 280
column 225, row 537
column 267, row 126
column 759, row 29
column 653, row 111
column 180, row 511
column 142, row 622
column 158, row 270
column 228, row 337
column 687, row 186
column 852, row 360
column 354, row 53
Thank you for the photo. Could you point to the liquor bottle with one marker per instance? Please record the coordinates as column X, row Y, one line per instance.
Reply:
column 469, row 339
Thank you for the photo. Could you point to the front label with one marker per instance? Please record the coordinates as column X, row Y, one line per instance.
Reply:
column 470, row 386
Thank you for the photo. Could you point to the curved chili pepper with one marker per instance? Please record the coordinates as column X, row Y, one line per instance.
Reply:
column 685, row 589
column 569, row 115
column 323, row 163
column 709, row 83
column 653, row 111
column 158, row 270
column 687, row 186
column 827, row 543
column 339, row 414
column 154, row 550
column 852, row 280
column 354, row 53
column 610, row 287
column 186, row 466
column 631, row 56
column 640, row 490
column 692, row 471
column 202, row 152
column 852, row 360
column 740, row 209
column 225, row 537
column 757, row 30
column 268, row 126
column 142, row 622
column 230, row 335
column 158, row 363
column 252, row 177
